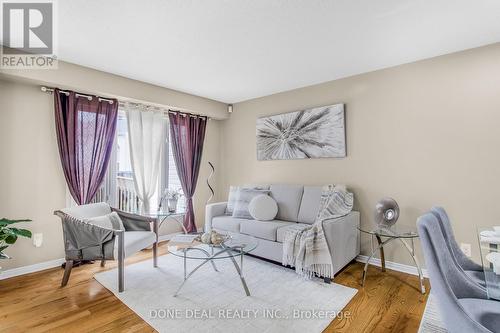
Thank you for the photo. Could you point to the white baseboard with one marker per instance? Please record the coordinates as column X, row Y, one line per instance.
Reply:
column 53, row 263
column 392, row 265
column 57, row 262
column 30, row 268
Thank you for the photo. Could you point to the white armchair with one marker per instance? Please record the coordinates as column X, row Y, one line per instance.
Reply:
column 87, row 240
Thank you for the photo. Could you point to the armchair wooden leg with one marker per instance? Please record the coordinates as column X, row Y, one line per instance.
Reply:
column 155, row 254
column 103, row 262
column 121, row 270
column 121, row 261
column 155, row 245
column 67, row 272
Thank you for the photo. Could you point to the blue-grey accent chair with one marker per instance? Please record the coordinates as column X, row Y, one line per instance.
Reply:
column 472, row 269
column 463, row 307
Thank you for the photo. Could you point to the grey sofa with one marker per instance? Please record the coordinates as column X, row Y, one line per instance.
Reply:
column 296, row 204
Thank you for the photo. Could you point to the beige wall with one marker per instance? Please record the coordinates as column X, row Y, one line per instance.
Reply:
column 32, row 184
column 425, row 133
column 31, row 180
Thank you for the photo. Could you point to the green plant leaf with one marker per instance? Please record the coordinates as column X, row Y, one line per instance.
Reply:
column 4, row 221
column 3, row 248
column 20, row 232
column 11, row 239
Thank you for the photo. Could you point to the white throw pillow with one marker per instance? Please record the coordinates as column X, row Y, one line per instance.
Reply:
column 108, row 221
column 263, row 208
column 245, row 195
column 233, row 195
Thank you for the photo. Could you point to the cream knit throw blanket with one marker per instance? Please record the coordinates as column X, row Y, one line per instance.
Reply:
column 305, row 247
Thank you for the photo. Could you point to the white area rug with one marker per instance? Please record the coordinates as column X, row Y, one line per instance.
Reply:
column 431, row 320
column 210, row 301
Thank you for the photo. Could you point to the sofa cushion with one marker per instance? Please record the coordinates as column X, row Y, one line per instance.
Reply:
column 245, row 196
column 262, row 229
column 108, row 221
column 227, row 223
column 288, row 199
column 134, row 241
column 233, row 195
column 88, row 211
column 309, row 206
column 280, row 233
column 257, row 186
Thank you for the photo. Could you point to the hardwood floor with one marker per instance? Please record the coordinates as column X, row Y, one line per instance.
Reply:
column 389, row 302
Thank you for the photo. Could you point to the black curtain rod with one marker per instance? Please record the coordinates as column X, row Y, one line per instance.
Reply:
column 89, row 97
column 111, row 101
column 187, row 114
column 165, row 110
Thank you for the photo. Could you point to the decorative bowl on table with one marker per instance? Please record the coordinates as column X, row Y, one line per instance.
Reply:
column 213, row 238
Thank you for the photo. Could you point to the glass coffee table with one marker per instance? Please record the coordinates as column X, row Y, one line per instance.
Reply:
column 229, row 249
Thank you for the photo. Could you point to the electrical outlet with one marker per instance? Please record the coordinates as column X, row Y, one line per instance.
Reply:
column 37, row 240
column 466, row 249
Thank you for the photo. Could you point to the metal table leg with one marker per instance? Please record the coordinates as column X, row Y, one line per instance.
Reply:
column 382, row 256
column 208, row 259
column 174, row 217
column 411, row 251
column 185, row 264
column 378, row 248
column 239, row 269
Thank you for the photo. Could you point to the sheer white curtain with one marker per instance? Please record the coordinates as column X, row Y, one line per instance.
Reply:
column 147, row 130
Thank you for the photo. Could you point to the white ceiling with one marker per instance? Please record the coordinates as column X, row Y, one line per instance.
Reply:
column 234, row 50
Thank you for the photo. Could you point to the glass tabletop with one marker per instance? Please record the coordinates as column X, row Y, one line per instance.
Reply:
column 232, row 247
column 396, row 231
column 160, row 214
column 489, row 246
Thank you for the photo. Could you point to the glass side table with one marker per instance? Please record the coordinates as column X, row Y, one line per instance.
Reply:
column 489, row 246
column 396, row 232
column 176, row 216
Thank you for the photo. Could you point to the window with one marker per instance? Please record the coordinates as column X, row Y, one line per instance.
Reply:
column 125, row 198
column 118, row 188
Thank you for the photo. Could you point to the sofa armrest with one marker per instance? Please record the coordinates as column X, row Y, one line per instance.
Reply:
column 213, row 210
column 342, row 236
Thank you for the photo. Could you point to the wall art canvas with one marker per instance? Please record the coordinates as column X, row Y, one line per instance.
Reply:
column 312, row 133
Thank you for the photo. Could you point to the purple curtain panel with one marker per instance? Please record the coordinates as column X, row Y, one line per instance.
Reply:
column 187, row 135
column 85, row 133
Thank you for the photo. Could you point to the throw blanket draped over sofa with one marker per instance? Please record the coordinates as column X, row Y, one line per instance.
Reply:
column 305, row 248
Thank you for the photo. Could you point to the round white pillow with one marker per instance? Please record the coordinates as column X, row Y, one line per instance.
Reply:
column 263, row 208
